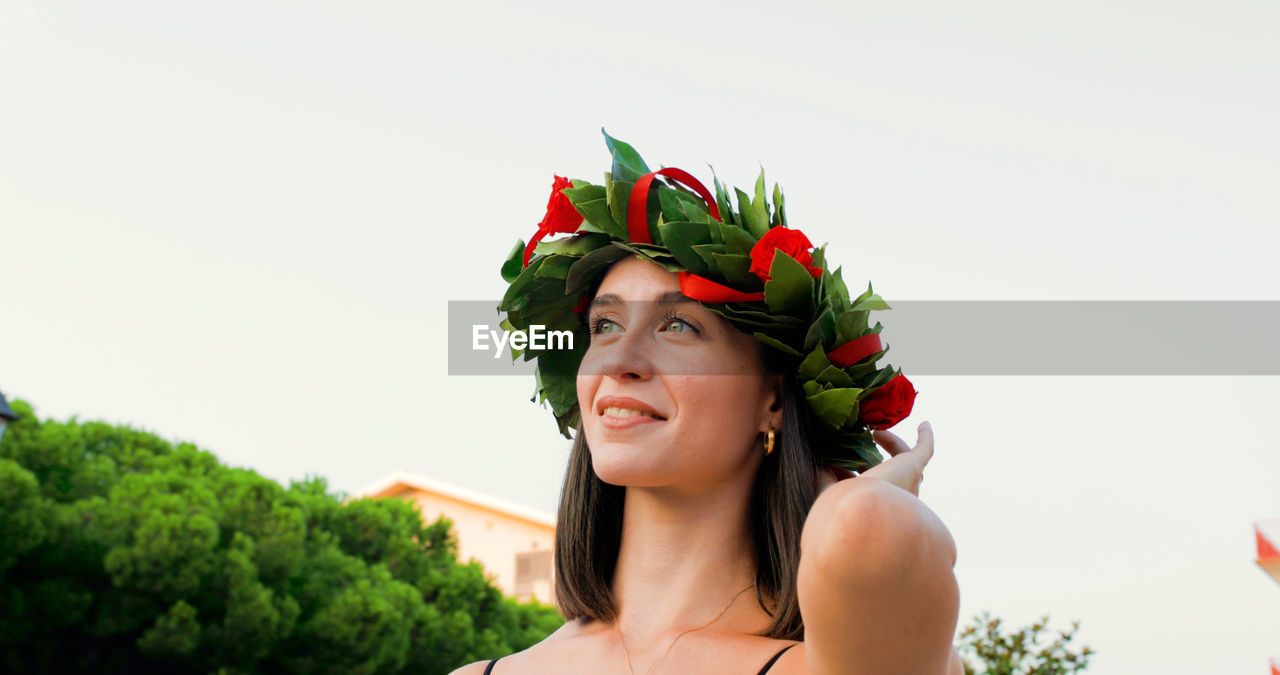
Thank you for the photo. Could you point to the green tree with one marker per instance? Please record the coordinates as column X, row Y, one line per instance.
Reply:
column 122, row 552
column 1021, row 652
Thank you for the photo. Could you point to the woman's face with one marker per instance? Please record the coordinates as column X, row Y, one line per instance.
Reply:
column 670, row 393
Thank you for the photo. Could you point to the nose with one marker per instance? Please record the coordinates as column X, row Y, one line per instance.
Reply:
column 623, row 358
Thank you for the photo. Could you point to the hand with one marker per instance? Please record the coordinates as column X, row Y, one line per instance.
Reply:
column 904, row 468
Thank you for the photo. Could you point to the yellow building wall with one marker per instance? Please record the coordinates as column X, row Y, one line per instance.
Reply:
column 493, row 538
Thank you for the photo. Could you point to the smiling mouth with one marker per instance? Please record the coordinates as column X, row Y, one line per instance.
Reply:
column 628, row 412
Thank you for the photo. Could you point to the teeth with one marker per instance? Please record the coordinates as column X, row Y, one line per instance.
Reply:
column 626, row 412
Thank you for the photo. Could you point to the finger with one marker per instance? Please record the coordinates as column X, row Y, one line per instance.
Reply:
column 924, row 443
column 890, row 442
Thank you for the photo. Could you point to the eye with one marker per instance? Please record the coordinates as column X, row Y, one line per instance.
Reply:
column 674, row 323
column 602, row 326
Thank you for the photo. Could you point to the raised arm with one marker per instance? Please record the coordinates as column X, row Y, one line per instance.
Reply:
column 876, row 586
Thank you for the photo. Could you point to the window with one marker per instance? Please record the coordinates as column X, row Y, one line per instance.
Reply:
column 533, row 569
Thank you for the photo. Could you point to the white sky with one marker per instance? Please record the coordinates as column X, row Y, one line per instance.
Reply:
column 239, row 224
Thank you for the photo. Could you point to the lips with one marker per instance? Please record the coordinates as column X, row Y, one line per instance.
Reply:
column 626, row 408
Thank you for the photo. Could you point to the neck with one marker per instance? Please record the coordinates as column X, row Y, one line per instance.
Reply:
column 683, row 557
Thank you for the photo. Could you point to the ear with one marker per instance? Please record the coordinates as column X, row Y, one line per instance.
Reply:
column 771, row 403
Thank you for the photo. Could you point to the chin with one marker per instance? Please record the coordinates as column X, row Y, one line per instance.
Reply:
column 631, row 464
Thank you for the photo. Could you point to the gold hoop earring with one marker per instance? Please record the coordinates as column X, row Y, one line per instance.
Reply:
column 768, row 442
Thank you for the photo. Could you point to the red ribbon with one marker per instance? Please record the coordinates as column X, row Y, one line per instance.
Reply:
column 855, row 350
column 706, row 290
column 533, row 243
column 638, row 204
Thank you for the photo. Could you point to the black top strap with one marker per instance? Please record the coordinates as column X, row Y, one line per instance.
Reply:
column 774, row 660
column 489, row 668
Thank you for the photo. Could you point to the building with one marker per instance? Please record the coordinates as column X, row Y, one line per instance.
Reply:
column 513, row 542
column 1267, row 535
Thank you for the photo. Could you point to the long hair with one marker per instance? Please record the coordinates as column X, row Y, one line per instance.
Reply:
column 589, row 522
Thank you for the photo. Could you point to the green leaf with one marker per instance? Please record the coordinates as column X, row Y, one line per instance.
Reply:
column 569, row 421
column 518, row 293
column 514, row 263
column 776, row 344
column 835, row 377
column 879, row 379
column 851, row 325
column 713, row 228
column 680, row 204
column 722, row 201
column 840, row 288
column 556, row 266
column 559, row 371
column 779, row 211
column 750, row 218
column 778, row 325
column 680, row 238
column 707, row 251
column 822, row 331
column 814, row 363
column 736, row 269
column 736, row 238
column 583, row 191
column 859, row 371
column 850, row 449
column 869, row 452
column 820, row 256
column 790, row 288
column 874, row 302
column 653, row 252
column 592, row 264
column 868, row 301
column 596, row 211
column 749, row 323
column 812, row 387
column 834, row 406
column 759, row 206
column 577, row 245
column 619, row 193
column 627, row 163
column 671, row 265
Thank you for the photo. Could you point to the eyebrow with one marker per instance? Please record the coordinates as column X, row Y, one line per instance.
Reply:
column 668, row 298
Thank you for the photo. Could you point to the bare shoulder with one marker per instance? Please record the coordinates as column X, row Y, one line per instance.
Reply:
column 540, row 657
column 876, row 583
column 567, row 630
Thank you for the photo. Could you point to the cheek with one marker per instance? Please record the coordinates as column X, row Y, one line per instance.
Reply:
column 717, row 404
column 587, row 386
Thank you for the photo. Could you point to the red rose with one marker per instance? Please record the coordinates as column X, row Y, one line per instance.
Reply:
column 789, row 241
column 889, row 404
column 560, row 216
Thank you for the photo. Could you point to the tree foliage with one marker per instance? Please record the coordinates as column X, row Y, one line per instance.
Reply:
column 122, row 552
column 1021, row 652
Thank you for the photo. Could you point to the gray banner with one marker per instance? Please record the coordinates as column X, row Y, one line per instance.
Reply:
column 1141, row 337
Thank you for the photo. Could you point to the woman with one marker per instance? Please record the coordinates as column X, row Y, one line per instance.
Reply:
column 710, row 522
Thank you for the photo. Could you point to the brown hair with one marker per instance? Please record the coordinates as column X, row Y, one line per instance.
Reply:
column 589, row 522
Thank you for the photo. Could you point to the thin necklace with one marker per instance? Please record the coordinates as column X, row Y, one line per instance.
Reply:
column 627, row 652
